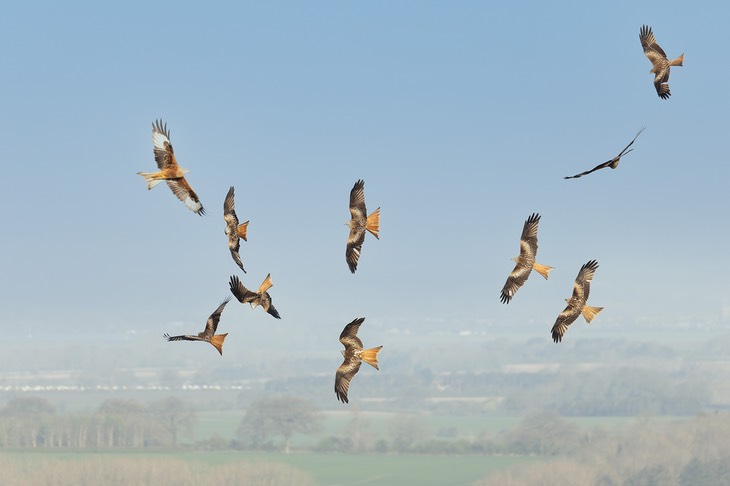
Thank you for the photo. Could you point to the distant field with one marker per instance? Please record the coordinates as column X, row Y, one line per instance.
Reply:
column 224, row 424
column 325, row 469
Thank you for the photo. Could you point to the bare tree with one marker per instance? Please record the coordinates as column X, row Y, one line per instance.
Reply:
column 277, row 416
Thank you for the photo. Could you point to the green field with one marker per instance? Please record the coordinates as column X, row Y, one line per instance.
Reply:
column 324, row 469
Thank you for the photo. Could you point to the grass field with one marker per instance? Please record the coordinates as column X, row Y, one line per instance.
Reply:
column 324, row 469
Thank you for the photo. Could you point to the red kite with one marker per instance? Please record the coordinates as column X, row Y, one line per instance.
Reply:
column 613, row 163
column 260, row 297
column 234, row 231
column 359, row 223
column 577, row 303
column 659, row 62
column 526, row 261
column 170, row 172
column 354, row 356
column 208, row 335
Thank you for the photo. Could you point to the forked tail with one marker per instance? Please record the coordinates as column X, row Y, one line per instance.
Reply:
column 152, row 178
column 241, row 230
column 589, row 312
column 370, row 356
column 542, row 269
column 678, row 61
column 373, row 223
column 217, row 342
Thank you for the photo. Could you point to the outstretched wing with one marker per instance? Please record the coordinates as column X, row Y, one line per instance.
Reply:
column 185, row 193
column 653, row 52
column 348, row 336
column 565, row 319
column 272, row 310
column 354, row 248
column 357, row 201
column 164, row 154
column 240, row 292
column 347, row 370
column 212, row 324
column 180, row 338
column 599, row 166
column 582, row 284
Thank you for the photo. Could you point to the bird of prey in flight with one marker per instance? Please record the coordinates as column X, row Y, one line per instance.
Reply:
column 208, row 334
column 260, row 297
column 613, row 163
column 170, row 172
column 354, row 356
column 659, row 62
column 577, row 302
column 234, row 231
column 525, row 261
column 359, row 223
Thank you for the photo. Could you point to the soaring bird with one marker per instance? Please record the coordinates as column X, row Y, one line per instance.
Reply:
column 260, row 297
column 577, row 302
column 354, row 356
column 359, row 223
column 613, row 163
column 208, row 335
column 170, row 172
column 659, row 62
column 526, row 261
column 234, row 231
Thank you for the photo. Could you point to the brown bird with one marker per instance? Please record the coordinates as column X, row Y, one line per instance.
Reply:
column 659, row 62
column 613, row 163
column 234, row 231
column 577, row 303
column 354, row 356
column 358, row 224
column 208, row 335
column 260, row 297
column 170, row 172
column 526, row 261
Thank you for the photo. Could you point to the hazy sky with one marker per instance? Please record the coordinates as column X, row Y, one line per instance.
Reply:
column 461, row 117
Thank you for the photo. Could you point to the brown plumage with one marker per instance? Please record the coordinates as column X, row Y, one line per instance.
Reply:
column 577, row 302
column 170, row 172
column 234, row 231
column 526, row 261
column 208, row 334
column 358, row 224
column 659, row 62
column 613, row 163
column 354, row 356
column 260, row 297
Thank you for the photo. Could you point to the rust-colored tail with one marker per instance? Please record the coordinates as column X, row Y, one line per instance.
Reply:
column 370, row 356
column 373, row 223
column 152, row 178
column 217, row 342
column 241, row 230
column 589, row 312
column 678, row 61
column 542, row 269
column 265, row 285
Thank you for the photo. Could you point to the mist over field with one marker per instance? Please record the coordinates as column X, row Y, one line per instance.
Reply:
column 462, row 121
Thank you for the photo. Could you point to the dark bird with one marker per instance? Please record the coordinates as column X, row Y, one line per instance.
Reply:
column 526, row 261
column 170, row 172
column 358, row 223
column 577, row 302
column 208, row 335
column 260, row 297
column 659, row 62
column 613, row 163
column 354, row 356
column 234, row 231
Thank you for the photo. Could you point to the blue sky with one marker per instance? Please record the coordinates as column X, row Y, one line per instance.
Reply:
column 462, row 119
